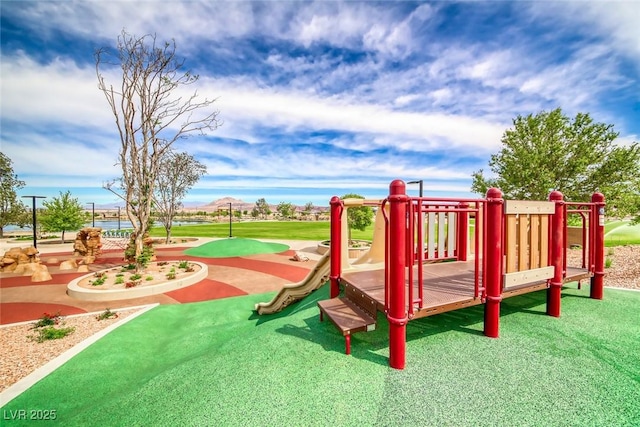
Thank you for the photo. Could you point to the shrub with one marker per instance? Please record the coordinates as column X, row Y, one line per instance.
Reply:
column 148, row 278
column 51, row 333
column 119, row 280
column 48, row 320
column 132, row 284
column 106, row 314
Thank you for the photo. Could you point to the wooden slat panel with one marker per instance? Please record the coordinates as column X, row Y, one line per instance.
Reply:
column 528, row 207
column 523, row 242
column 510, row 244
column 527, row 276
column 423, row 239
column 451, row 233
column 534, row 244
column 544, row 240
column 441, row 234
column 432, row 235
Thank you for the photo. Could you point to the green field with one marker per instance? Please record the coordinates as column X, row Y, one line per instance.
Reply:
column 620, row 233
column 278, row 230
column 617, row 232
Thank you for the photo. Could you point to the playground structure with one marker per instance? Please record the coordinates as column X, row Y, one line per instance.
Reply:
column 435, row 262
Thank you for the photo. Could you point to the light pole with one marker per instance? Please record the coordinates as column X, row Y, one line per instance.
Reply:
column 417, row 182
column 93, row 213
column 33, row 210
column 230, row 229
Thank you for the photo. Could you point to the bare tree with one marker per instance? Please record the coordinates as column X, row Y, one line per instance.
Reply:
column 180, row 171
column 150, row 115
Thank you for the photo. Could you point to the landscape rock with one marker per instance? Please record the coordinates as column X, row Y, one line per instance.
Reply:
column 15, row 257
column 41, row 274
column 69, row 264
column 88, row 243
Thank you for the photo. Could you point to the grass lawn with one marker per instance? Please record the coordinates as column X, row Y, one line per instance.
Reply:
column 622, row 233
column 216, row 363
column 285, row 230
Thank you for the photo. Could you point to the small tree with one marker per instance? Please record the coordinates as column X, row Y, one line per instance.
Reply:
column 262, row 208
column 575, row 156
column 62, row 214
column 179, row 172
column 358, row 218
column 12, row 210
column 150, row 114
column 285, row 210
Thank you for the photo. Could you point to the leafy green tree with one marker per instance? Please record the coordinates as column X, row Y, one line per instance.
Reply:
column 262, row 208
column 12, row 210
column 306, row 211
column 179, row 172
column 285, row 210
column 62, row 214
column 358, row 218
column 549, row 151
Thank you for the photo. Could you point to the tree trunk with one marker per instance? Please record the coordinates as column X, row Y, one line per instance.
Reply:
column 139, row 242
column 168, row 229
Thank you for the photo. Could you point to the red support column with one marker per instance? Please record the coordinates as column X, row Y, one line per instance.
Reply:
column 397, row 310
column 597, row 281
column 462, row 232
column 554, row 292
column 493, row 262
column 336, row 244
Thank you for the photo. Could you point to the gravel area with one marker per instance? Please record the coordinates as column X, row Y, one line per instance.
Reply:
column 20, row 355
column 624, row 271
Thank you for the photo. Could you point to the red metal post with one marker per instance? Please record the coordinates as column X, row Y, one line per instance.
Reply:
column 397, row 310
column 336, row 245
column 557, row 254
column 597, row 281
column 462, row 232
column 493, row 262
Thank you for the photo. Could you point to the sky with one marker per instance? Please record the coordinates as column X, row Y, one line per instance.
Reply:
column 317, row 98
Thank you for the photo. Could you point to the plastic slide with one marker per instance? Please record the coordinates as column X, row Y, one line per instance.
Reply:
column 372, row 259
column 295, row 291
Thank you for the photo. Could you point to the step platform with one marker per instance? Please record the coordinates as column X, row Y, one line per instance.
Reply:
column 348, row 317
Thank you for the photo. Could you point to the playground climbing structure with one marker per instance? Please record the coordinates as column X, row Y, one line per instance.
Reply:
column 443, row 254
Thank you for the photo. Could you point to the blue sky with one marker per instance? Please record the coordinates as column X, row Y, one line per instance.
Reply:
column 317, row 98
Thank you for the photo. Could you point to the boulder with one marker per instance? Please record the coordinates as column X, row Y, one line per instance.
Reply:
column 69, row 264
column 41, row 274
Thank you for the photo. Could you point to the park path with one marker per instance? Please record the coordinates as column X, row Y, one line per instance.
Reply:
column 21, row 300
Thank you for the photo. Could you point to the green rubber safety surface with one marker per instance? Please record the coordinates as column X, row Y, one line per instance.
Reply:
column 235, row 247
column 217, row 363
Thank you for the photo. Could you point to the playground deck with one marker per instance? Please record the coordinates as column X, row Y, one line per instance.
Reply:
column 447, row 286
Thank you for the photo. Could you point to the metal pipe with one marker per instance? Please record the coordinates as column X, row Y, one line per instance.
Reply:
column 557, row 255
column 493, row 264
column 597, row 281
column 397, row 314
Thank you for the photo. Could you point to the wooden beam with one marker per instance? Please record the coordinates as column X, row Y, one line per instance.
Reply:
column 528, row 207
column 528, row 276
